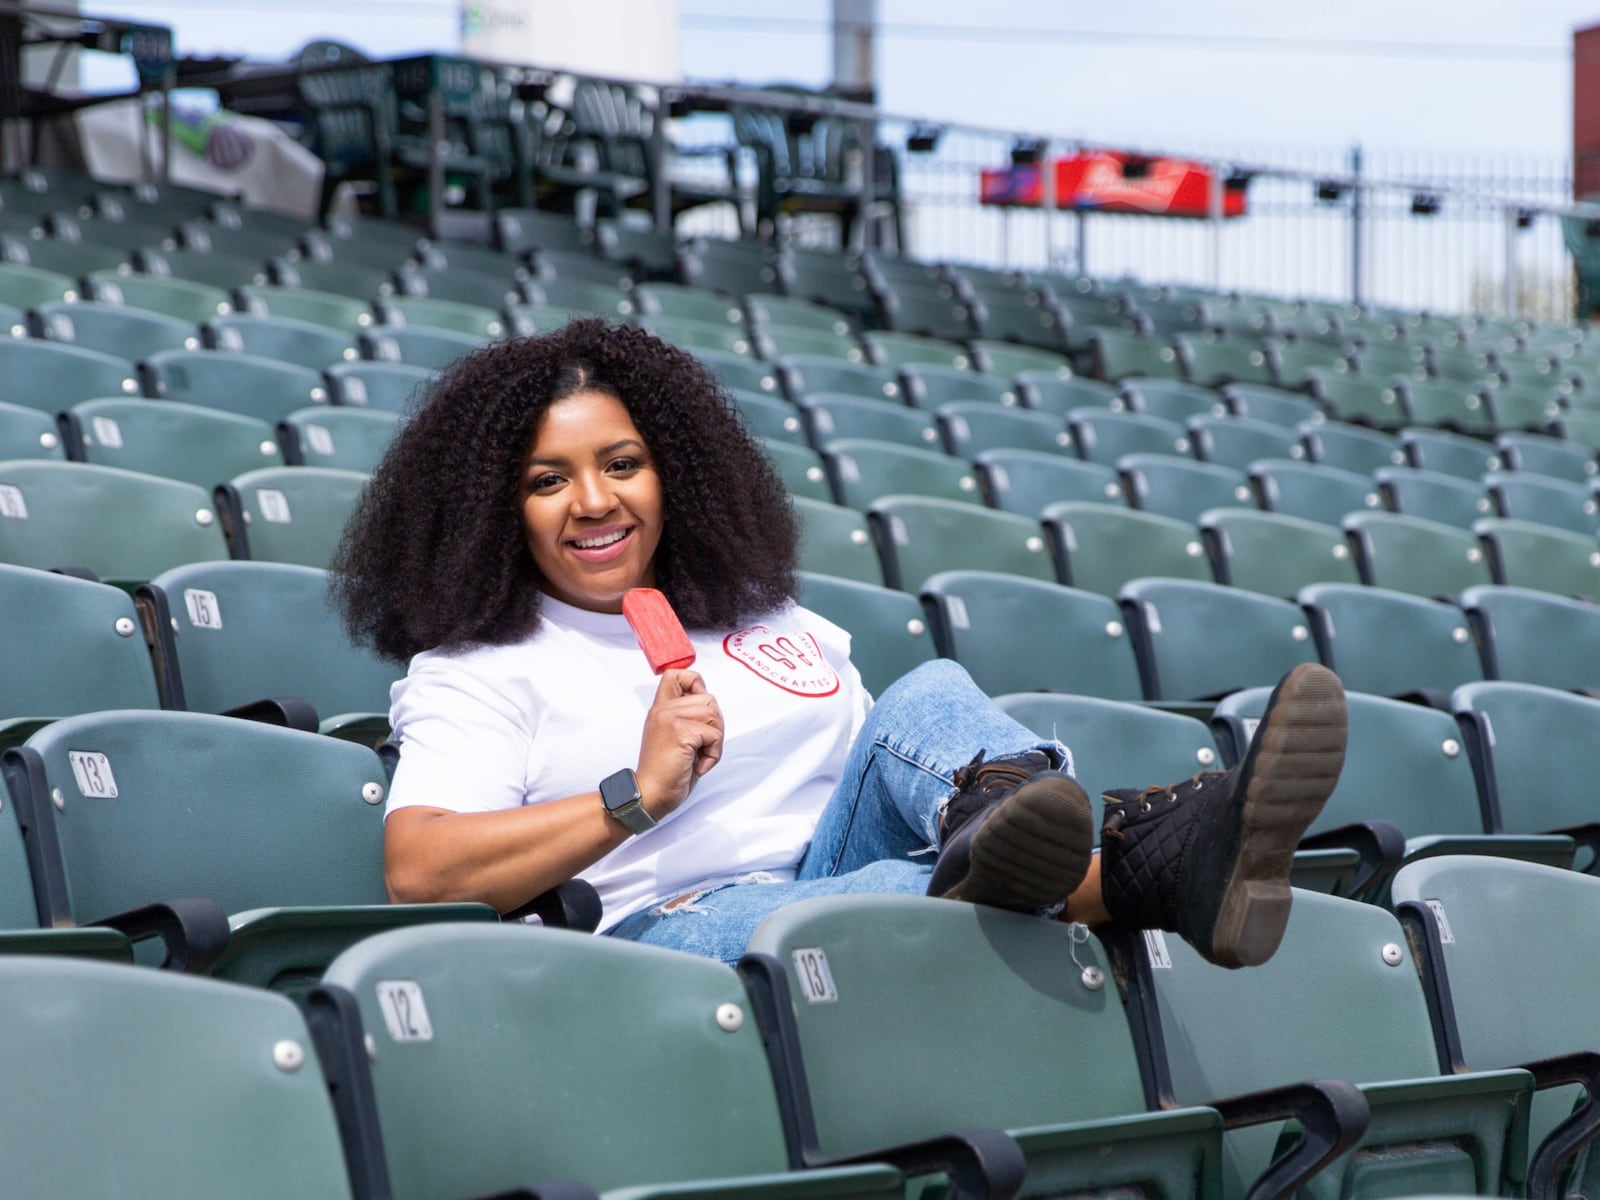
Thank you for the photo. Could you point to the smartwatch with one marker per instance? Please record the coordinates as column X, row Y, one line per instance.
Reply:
column 620, row 794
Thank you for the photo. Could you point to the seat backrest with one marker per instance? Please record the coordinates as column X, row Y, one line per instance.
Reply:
column 1027, row 482
column 1433, row 495
column 1273, row 552
column 920, row 535
column 862, row 469
column 836, row 541
column 931, row 387
column 385, row 387
column 72, row 646
column 51, row 376
column 248, row 814
column 1404, row 763
column 1556, row 458
column 1116, row 744
column 240, row 383
column 490, row 1037
column 1018, row 635
column 1105, row 436
column 1530, row 636
column 1239, row 441
column 230, row 633
column 244, row 1107
column 1524, row 554
column 1496, row 945
column 1100, row 547
column 888, row 633
column 1450, row 453
column 1343, row 970
column 832, row 415
column 346, row 439
column 29, row 433
column 1532, row 748
column 1170, row 399
column 803, row 373
column 1180, row 488
column 175, row 441
column 1314, row 491
column 886, row 956
column 289, row 514
column 1390, row 643
column 1352, row 447
column 1412, row 554
column 970, row 427
column 124, row 526
column 1197, row 640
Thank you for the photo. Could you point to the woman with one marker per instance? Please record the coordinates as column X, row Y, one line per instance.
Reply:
column 546, row 477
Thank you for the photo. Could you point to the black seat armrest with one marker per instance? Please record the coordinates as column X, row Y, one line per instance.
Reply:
column 1332, row 1114
column 570, row 905
column 194, row 930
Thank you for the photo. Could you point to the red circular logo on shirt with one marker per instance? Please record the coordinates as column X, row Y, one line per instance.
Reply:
column 792, row 661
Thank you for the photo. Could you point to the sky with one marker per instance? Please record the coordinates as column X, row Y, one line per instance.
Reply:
column 1467, row 77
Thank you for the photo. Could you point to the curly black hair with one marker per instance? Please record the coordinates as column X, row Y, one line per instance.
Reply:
column 434, row 556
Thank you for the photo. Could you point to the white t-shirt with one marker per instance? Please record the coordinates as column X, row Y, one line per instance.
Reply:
column 496, row 727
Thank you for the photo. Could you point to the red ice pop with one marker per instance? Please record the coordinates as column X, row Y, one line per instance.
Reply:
column 660, row 634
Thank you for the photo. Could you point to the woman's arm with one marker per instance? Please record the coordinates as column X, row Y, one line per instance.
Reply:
column 506, row 857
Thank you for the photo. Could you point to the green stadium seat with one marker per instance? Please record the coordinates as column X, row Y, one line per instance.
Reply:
column 1171, row 399
column 836, row 541
column 1311, row 490
column 931, row 388
column 278, row 827
column 1020, row 635
column 766, row 309
column 282, row 339
column 801, row 469
column 124, row 526
column 380, row 386
column 1415, row 555
column 417, row 345
column 1450, row 453
column 51, row 376
column 229, row 634
column 888, row 633
column 343, row 313
column 1198, row 641
column 1529, row 636
column 771, row 417
column 1343, row 969
column 1391, row 643
column 520, row 1006
column 1100, row 547
column 23, row 287
column 1542, row 557
column 1116, row 354
column 1493, row 937
column 699, row 335
column 832, row 415
column 288, row 514
column 175, row 441
column 1539, row 454
column 1056, row 394
column 1082, row 1129
column 1271, row 404
column 805, row 374
column 1027, row 482
column 919, row 536
column 125, row 333
column 236, row 1069
column 676, row 300
column 1181, row 488
column 1275, row 553
column 743, row 374
column 1239, row 441
column 346, row 439
column 435, row 312
column 971, row 427
column 1009, row 360
column 30, row 433
column 1525, row 496
column 1433, row 495
column 1104, row 436
column 898, row 350
column 1351, row 447
column 1213, row 360
column 238, row 383
column 861, row 470
column 1528, row 744
column 777, row 342
column 1347, row 396
column 181, row 299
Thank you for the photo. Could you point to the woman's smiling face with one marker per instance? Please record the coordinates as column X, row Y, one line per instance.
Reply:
column 591, row 502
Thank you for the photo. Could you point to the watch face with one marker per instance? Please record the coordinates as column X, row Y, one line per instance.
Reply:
column 619, row 790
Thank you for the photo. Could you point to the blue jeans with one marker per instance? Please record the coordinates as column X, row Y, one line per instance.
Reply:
column 880, row 830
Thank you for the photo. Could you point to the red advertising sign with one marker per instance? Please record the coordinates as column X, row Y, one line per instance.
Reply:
column 1112, row 181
